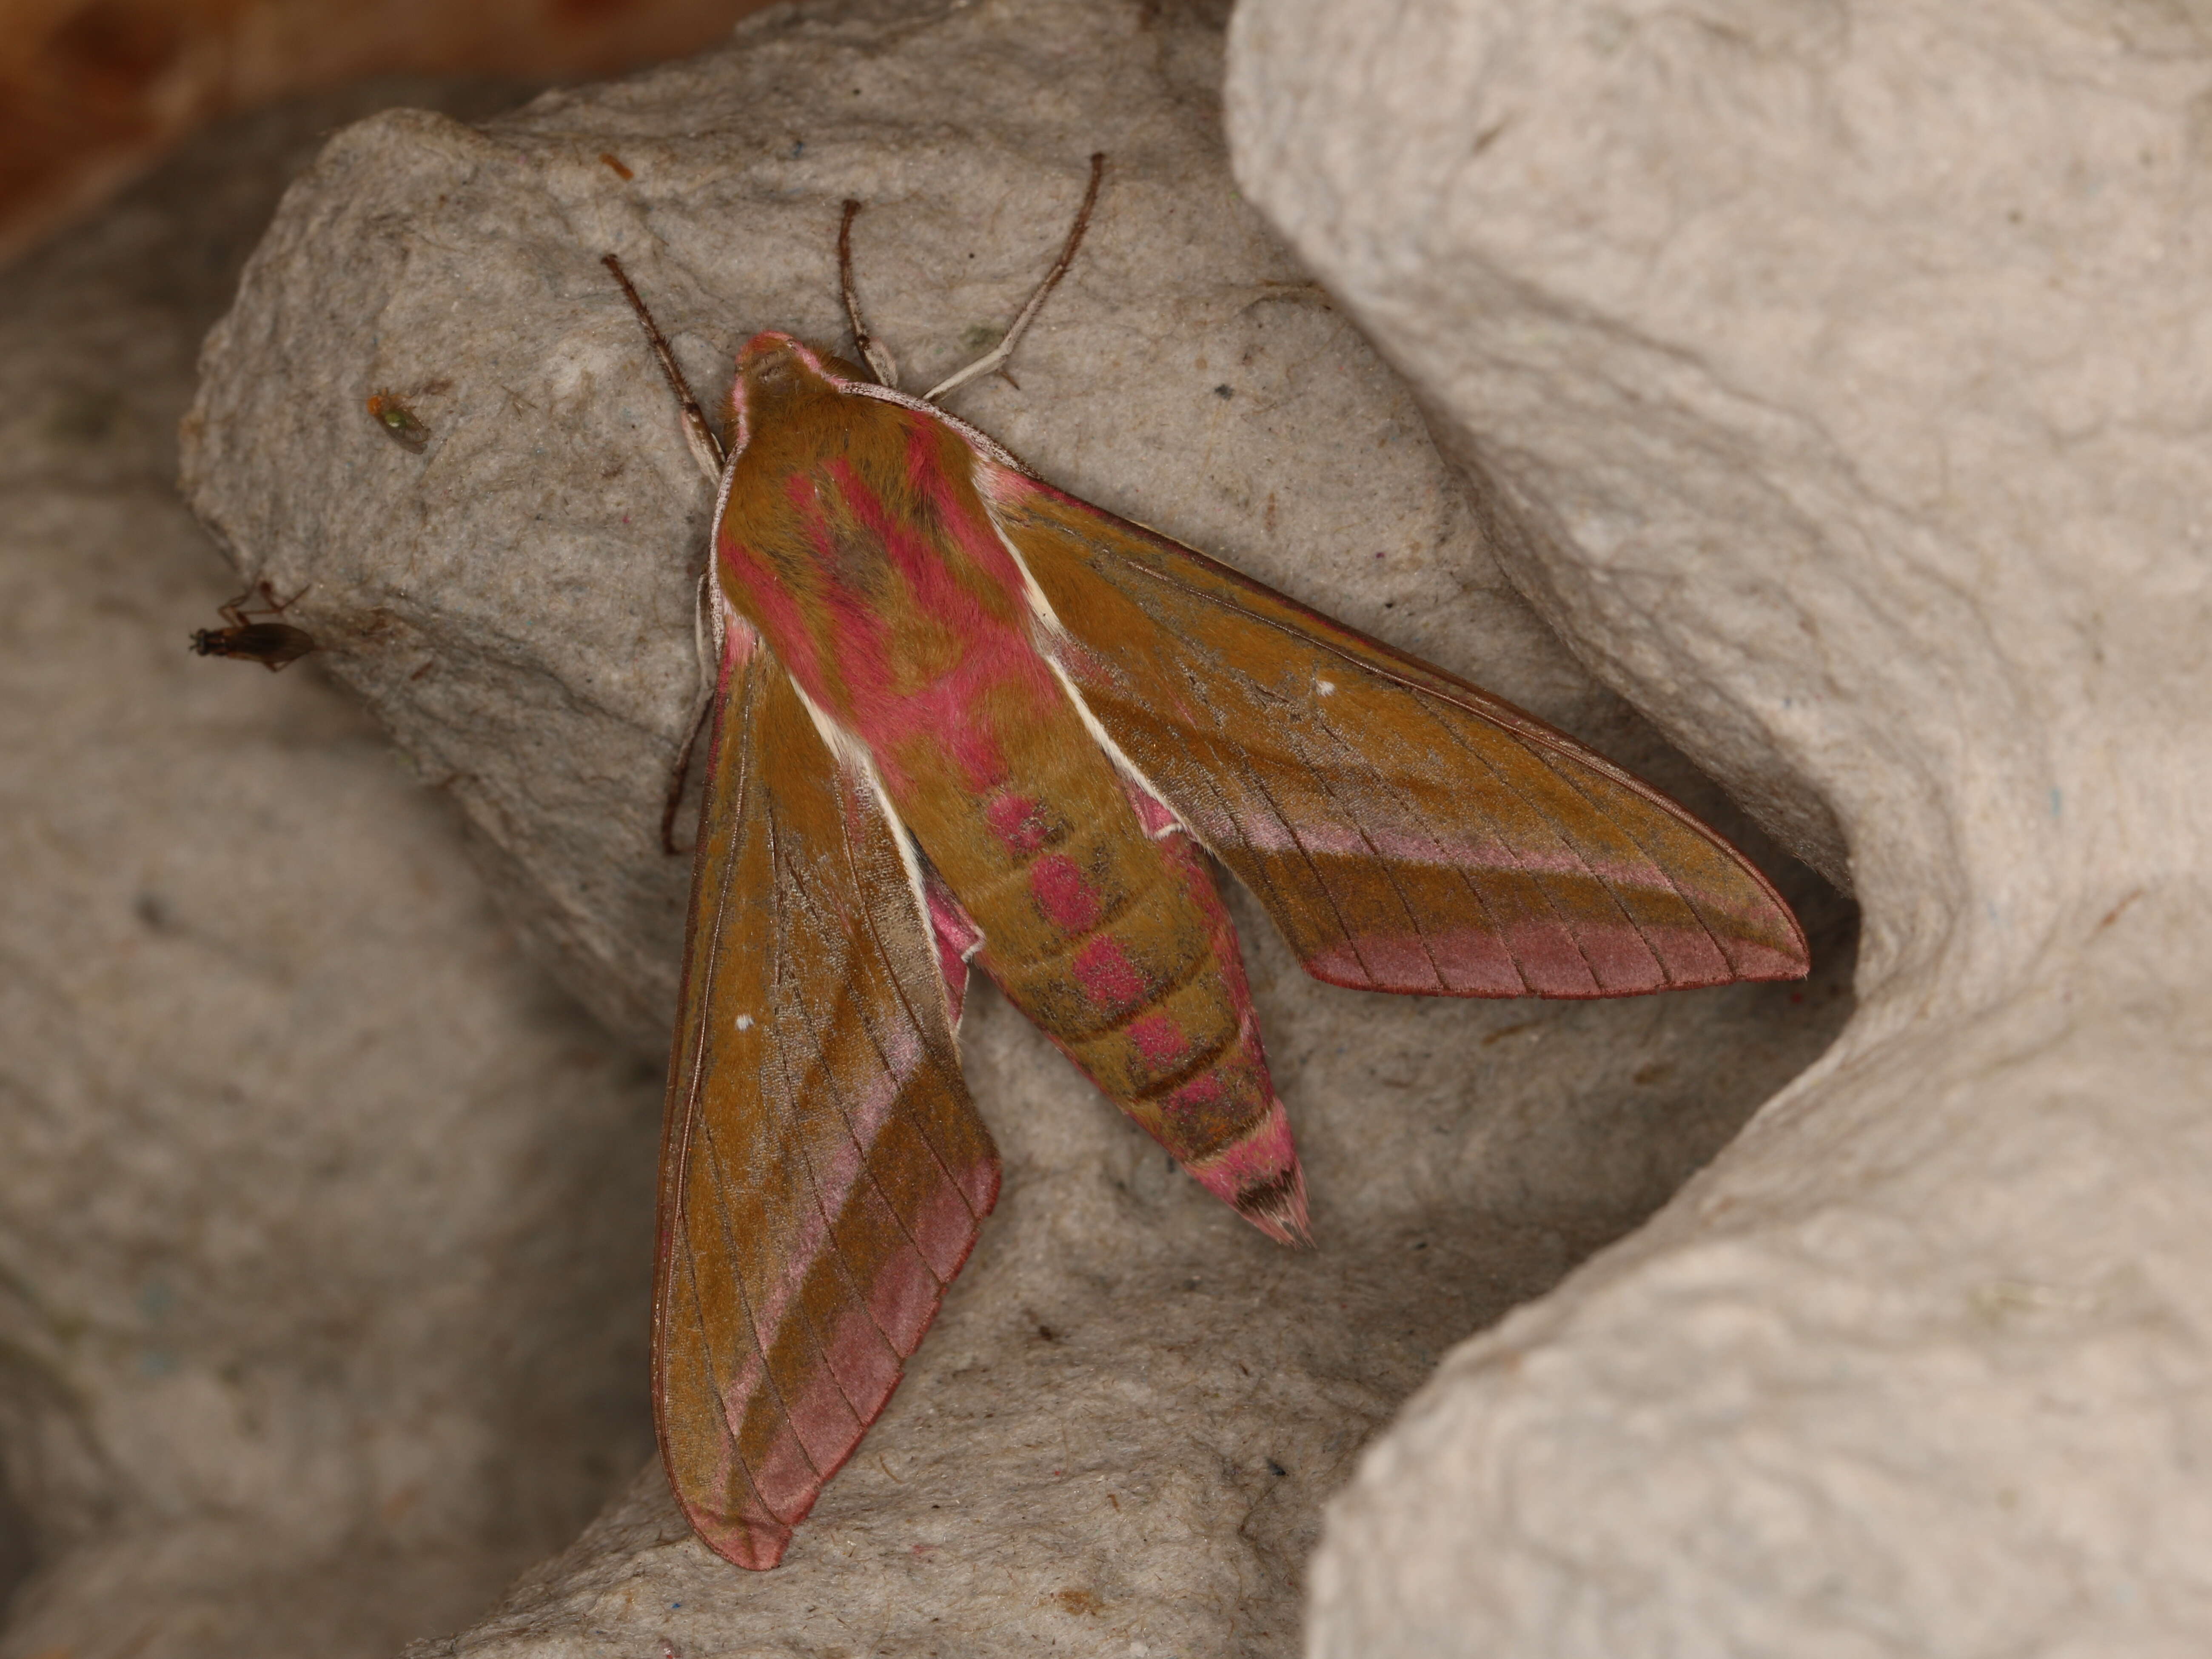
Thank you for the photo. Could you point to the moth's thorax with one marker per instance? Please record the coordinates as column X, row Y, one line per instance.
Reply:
column 853, row 537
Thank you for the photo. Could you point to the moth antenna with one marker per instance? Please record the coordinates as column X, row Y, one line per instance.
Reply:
column 706, row 447
column 873, row 352
column 999, row 354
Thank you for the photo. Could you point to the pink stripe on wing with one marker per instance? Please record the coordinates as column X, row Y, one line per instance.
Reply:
column 748, row 1535
column 943, row 1229
column 866, row 1369
column 1691, row 955
column 1549, row 960
column 785, row 1477
column 979, row 1184
column 836, row 1166
column 1474, row 965
column 821, row 1417
column 903, row 1299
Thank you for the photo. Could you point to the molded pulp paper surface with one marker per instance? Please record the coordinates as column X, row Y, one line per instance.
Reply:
column 330, row 1217
column 1847, row 366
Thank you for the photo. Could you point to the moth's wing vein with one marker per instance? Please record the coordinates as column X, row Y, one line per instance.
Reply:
column 1423, row 803
column 1510, row 851
column 920, row 1016
column 800, row 1163
column 1220, row 758
column 1256, row 779
column 1574, row 766
column 1354, row 757
column 789, row 891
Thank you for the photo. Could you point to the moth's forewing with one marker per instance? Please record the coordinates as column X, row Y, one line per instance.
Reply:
column 1407, row 831
column 823, row 1172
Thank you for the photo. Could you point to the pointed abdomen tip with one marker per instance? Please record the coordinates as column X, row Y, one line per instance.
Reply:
column 1277, row 1207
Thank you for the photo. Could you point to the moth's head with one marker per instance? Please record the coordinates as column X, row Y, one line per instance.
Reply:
column 776, row 366
column 776, row 375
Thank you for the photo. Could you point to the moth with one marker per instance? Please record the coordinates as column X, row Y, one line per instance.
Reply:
column 272, row 644
column 962, row 720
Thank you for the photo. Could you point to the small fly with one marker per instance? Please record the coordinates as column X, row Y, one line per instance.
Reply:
column 272, row 644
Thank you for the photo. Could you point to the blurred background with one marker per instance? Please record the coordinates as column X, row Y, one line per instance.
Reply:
column 92, row 92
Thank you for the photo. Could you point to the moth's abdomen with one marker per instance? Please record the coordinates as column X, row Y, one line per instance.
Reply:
column 1116, row 943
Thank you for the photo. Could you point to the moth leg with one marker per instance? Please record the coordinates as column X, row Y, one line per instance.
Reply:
column 705, row 615
column 706, row 447
column 999, row 354
column 873, row 352
column 707, row 640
